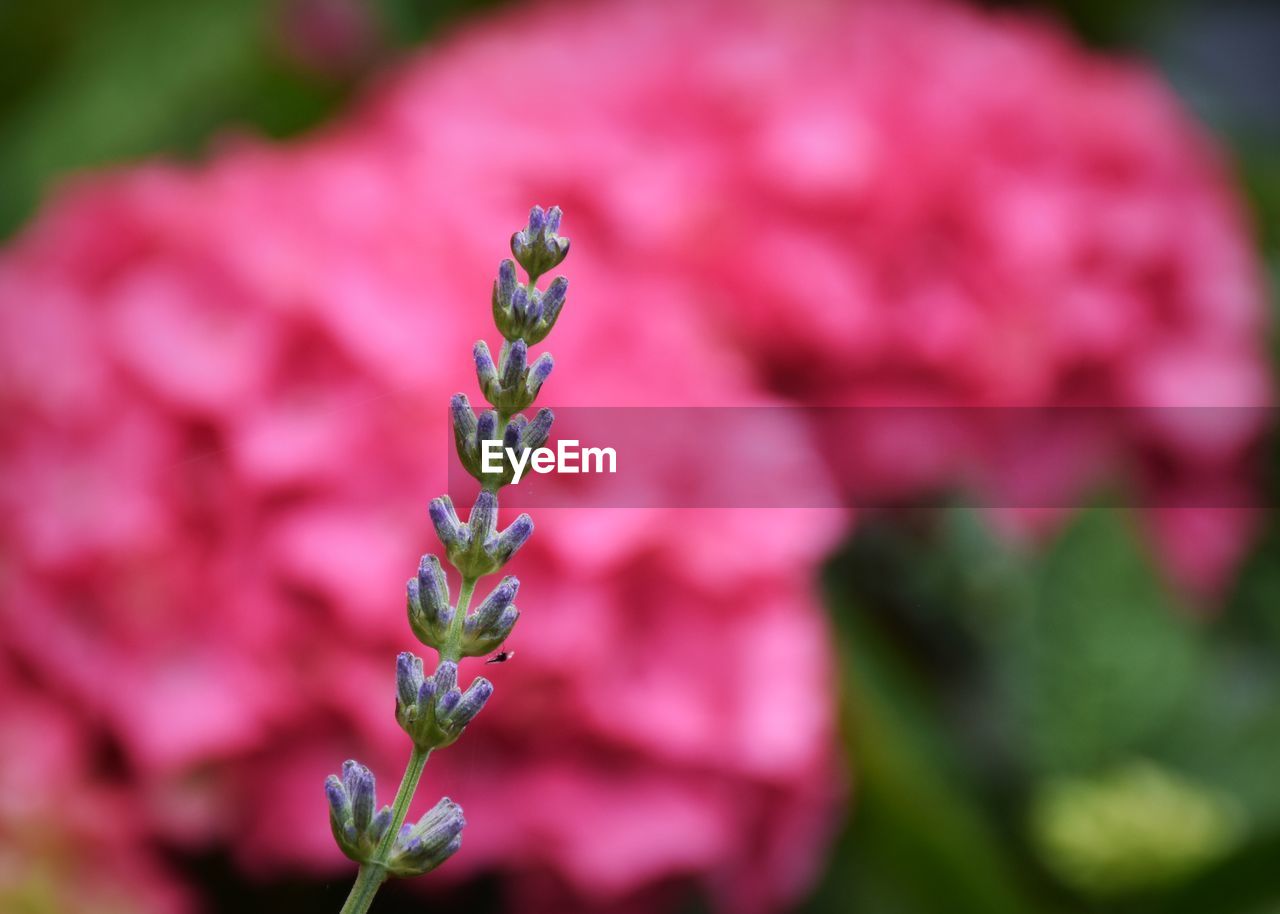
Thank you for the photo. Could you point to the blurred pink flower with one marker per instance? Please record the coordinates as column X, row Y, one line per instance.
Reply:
column 70, row 840
column 222, row 406
column 862, row 200
column 222, row 426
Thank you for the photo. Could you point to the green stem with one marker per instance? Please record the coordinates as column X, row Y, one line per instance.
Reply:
column 374, row 873
column 368, row 881
column 453, row 640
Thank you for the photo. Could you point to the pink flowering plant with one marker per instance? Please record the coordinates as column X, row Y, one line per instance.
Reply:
column 433, row 710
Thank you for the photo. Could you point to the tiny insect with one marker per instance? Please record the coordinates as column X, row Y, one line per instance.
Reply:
column 501, row 657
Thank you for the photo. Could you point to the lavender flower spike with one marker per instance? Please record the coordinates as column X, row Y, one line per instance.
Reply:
column 433, row 710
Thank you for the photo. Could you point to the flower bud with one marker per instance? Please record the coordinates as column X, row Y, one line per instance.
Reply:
column 552, row 301
column 446, row 676
column 512, row 384
column 464, row 420
column 357, row 828
column 409, row 680
column 504, row 287
column 478, row 549
column 422, row 847
column 486, row 371
column 521, row 312
column 430, row 613
column 488, row 627
column 471, row 703
column 486, row 427
column 435, row 711
column 453, row 534
column 533, row 311
column 538, row 247
column 539, row 371
column 515, row 359
column 515, row 428
column 511, row 539
column 484, row 517
column 468, row 432
column 520, row 307
column 536, row 432
column 538, row 221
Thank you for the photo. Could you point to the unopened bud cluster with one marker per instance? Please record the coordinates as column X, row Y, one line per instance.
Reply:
column 434, row 709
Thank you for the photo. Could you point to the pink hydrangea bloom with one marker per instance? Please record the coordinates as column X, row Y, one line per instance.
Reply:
column 862, row 200
column 222, row 406
column 71, row 841
column 223, row 424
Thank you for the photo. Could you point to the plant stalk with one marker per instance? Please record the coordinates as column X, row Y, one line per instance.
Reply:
column 372, row 874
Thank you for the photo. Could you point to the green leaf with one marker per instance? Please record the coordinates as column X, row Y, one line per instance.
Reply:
column 1103, row 659
column 919, row 841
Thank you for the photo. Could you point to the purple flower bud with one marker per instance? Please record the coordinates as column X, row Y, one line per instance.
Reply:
column 486, row 371
column 520, row 304
column 539, row 371
column 533, row 310
column 426, row 691
column 513, row 537
column 553, row 299
column 471, row 703
column 499, row 599
column 429, row 842
column 487, row 426
column 433, row 591
column 536, row 433
column 554, row 216
column 339, row 803
column 447, row 702
column 491, row 623
column 350, row 774
column 453, row 535
column 464, row 421
column 505, row 285
column 505, row 623
column 359, row 782
column 537, row 221
column 511, row 437
column 484, row 517
column 486, row 626
column 537, row 247
column 409, row 679
column 381, row 822
column 516, row 359
column 445, row 811
column 446, row 676
column 413, row 595
column 448, row 851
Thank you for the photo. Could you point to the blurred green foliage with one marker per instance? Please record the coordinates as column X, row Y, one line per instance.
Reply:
column 85, row 83
column 1052, row 730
